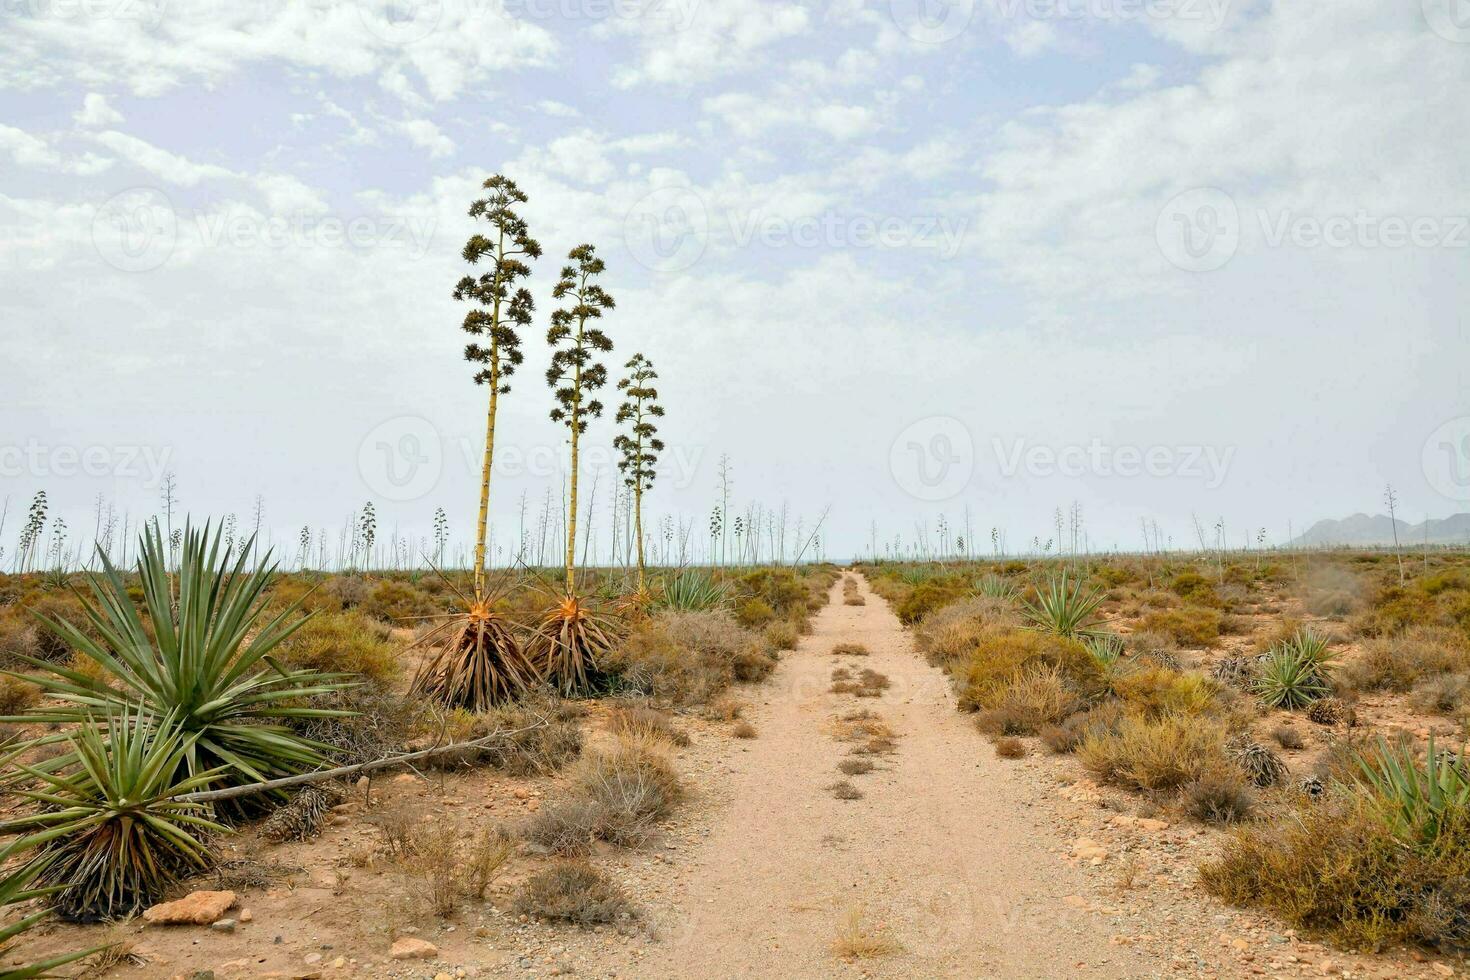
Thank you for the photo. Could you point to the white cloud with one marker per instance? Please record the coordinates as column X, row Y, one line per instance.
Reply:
column 714, row 40
column 166, row 166
column 425, row 135
column 96, row 111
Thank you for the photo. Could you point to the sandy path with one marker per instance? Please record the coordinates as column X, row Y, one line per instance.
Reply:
column 943, row 851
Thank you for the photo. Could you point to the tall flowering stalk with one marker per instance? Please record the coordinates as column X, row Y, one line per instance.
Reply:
column 640, row 444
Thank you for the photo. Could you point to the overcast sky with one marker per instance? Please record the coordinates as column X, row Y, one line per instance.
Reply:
column 1162, row 259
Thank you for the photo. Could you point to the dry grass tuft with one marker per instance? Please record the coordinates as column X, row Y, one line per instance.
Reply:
column 1154, row 754
column 1010, row 747
column 1288, row 737
column 574, row 892
column 641, row 722
column 850, row 650
column 743, row 729
column 856, row 767
column 856, row 941
column 844, row 790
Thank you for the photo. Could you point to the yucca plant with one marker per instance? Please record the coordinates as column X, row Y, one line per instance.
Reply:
column 197, row 651
column 1294, row 673
column 475, row 661
column 1065, row 608
column 110, row 835
column 690, row 590
column 569, row 641
column 639, row 447
column 572, row 636
column 1416, row 798
column 996, row 587
column 1105, row 648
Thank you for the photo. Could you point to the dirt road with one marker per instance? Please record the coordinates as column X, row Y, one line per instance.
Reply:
column 942, row 857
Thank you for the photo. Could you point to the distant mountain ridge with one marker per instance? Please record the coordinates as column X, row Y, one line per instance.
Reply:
column 1361, row 530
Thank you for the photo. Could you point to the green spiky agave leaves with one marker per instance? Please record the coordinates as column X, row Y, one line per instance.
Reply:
column 1416, row 799
column 110, row 837
column 203, row 658
column 1294, row 674
column 1065, row 607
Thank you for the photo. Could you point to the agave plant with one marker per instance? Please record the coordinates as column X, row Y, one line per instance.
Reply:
column 1106, row 649
column 110, row 837
column 1294, row 673
column 1416, row 799
column 996, row 587
column 1065, row 608
column 690, row 590
column 568, row 642
column 475, row 660
column 197, row 652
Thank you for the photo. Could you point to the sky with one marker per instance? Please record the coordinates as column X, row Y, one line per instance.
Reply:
column 1157, row 265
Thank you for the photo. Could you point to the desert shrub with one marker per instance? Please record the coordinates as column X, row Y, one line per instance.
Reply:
column 1157, row 691
column 1288, row 737
column 925, row 599
column 1010, row 747
column 1000, row 657
column 349, row 591
column 47, row 644
column 844, row 790
column 18, row 638
column 754, row 612
column 779, row 588
column 345, row 642
column 1194, row 588
column 855, row 767
column 633, row 784
column 574, row 892
column 1397, row 663
column 643, row 722
column 850, row 650
column 1335, row 867
column 782, row 634
column 1154, row 753
column 1098, row 720
column 17, row 694
column 537, row 749
column 743, row 729
column 1039, row 695
column 1448, row 694
column 753, row 663
column 567, row 827
column 1220, row 796
column 1191, row 626
column 400, row 603
column 689, row 657
column 374, row 722
column 1439, row 599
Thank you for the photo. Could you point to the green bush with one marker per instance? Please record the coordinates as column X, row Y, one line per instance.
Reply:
column 754, row 612
column 343, row 642
column 925, row 598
